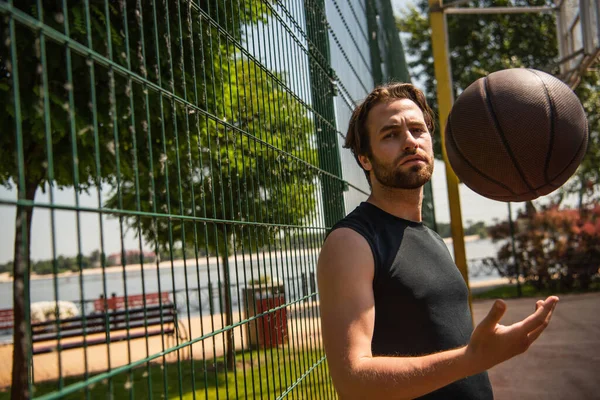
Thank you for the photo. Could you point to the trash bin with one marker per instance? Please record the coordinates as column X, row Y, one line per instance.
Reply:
column 271, row 329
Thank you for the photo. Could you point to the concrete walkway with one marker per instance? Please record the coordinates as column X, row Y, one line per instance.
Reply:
column 564, row 363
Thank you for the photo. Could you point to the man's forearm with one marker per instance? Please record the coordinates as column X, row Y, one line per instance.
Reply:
column 404, row 377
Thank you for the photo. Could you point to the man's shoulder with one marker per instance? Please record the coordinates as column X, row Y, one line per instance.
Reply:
column 346, row 253
column 344, row 235
column 360, row 220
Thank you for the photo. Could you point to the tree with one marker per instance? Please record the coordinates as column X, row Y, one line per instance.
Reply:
column 52, row 143
column 586, row 181
column 7, row 267
column 232, row 169
column 238, row 153
column 76, row 125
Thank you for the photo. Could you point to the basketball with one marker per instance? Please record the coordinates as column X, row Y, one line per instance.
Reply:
column 516, row 134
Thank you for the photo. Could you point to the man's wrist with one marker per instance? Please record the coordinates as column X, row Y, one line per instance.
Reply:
column 469, row 362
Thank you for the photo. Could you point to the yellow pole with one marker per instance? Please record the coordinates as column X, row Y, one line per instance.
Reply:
column 441, row 62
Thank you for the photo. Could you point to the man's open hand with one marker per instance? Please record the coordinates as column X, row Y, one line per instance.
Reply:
column 493, row 343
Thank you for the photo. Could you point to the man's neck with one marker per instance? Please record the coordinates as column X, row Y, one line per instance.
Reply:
column 403, row 203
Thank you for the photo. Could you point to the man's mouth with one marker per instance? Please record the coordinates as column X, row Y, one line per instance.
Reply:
column 410, row 160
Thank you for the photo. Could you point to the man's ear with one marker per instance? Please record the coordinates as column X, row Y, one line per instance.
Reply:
column 365, row 162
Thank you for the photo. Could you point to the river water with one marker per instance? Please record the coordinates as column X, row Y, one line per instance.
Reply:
column 290, row 269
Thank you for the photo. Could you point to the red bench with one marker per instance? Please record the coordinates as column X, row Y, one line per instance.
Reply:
column 135, row 301
column 6, row 319
column 106, row 325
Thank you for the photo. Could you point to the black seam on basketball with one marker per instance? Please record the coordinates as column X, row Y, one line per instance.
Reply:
column 552, row 114
column 539, row 187
column 461, row 155
column 513, row 199
column 501, row 134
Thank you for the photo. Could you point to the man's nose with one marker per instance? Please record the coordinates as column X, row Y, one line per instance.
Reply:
column 410, row 143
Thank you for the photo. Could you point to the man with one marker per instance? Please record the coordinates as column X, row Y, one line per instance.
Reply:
column 395, row 316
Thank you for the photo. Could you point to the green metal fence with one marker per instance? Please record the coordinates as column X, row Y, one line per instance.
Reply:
column 172, row 168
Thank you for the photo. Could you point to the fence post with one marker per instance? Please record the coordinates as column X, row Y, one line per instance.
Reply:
column 322, row 82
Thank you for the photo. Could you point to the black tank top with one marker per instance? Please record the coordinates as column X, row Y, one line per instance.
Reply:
column 421, row 299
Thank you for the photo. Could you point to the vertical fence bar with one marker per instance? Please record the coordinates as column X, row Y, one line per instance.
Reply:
column 22, row 359
column 322, row 94
column 163, row 162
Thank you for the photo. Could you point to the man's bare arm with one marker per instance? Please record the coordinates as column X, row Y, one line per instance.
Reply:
column 345, row 276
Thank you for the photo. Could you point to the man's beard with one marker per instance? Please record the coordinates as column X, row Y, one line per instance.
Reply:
column 399, row 177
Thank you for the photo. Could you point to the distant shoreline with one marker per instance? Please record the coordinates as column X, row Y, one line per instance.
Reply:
column 202, row 262
column 191, row 263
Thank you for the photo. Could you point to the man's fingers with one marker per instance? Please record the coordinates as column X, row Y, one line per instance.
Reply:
column 533, row 335
column 494, row 315
column 538, row 318
column 538, row 304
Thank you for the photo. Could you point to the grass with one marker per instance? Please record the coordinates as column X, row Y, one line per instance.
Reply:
column 259, row 374
column 528, row 290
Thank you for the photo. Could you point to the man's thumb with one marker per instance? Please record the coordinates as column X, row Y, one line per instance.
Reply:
column 494, row 315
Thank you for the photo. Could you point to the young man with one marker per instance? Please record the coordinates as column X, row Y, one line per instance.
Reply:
column 395, row 315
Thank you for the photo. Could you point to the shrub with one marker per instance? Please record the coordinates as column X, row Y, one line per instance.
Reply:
column 554, row 246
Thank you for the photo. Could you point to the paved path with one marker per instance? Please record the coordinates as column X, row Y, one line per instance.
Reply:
column 564, row 363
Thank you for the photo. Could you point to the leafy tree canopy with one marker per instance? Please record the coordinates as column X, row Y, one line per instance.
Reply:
column 168, row 112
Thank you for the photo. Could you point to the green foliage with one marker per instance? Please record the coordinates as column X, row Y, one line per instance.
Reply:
column 130, row 257
column 61, row 264
column 209, row 143
column 478, row 228
column 481, row 44
column 58, row 265
column 555, row 247
column 6, row 267
column 231, row 168
column 177, row 253
column 586, row 181
column 261, row 280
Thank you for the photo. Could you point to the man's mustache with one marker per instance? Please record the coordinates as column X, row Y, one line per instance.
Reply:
column 418, row 153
